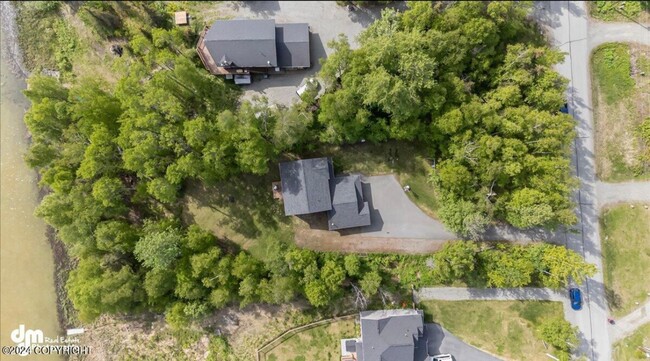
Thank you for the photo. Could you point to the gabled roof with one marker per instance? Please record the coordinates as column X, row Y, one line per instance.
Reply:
column 292, row 42
column 348, row 207
column 392, row 335
column 242, row 43
column 305, row 186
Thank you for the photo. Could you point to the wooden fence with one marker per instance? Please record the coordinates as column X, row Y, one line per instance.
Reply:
column 262, row 350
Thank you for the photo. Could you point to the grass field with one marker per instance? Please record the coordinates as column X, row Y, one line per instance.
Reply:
column 321, row 343
column 504, row 328
column 628, row 348
column 625, row 233
column 620, row 96
column 620, row 10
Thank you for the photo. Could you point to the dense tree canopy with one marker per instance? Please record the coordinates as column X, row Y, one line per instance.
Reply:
column 473, row 83
column 469, row 82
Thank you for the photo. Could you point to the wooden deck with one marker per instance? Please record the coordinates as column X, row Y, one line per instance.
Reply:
column 207, row 60
column 213, row 68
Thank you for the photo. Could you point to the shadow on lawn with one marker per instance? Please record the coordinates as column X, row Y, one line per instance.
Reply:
column 246, row 204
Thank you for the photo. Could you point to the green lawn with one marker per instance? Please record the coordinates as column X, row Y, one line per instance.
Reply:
column 504, row 328
column 625, row 233
column 321, row 343
column 620, row 105
column 241, row 210
column 409, row 162
column 620, row 10
column 628, row 348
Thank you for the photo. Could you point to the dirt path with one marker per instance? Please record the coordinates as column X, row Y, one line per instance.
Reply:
column 326, row 241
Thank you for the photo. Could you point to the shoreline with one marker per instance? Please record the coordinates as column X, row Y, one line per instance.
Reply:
column 66, row 315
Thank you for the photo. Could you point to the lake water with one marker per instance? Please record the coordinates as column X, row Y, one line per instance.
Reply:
column 27, row 294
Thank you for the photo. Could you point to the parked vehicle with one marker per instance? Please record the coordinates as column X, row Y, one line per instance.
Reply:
column 442, row 357
column 308, row 84
column 565, row 108
column 576, row 298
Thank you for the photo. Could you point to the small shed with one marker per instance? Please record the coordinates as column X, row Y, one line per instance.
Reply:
column 181, row 18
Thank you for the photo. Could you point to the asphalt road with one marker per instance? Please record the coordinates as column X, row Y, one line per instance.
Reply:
column 569, row 29
column 569, row 32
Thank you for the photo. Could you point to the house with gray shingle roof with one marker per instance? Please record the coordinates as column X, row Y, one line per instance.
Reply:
column 390, row 335
column 309, row 186
column 245, row 46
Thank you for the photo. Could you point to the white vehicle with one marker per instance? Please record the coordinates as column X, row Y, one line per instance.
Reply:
column 442, row 357
column 310, row 83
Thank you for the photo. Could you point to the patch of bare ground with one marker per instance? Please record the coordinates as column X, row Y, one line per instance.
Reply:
column 312, row 234
column 148, row 337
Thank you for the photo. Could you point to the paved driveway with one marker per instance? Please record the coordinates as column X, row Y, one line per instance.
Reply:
column 441, row 341
column 326, row 19
column 393, row 214
column 623, row 192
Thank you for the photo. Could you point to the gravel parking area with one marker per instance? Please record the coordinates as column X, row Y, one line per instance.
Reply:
column 326, row 19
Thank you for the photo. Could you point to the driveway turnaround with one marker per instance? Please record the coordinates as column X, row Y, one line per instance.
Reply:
column 441, row 341
column 393, row 214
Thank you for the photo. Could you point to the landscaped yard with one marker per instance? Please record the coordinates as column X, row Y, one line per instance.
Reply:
column 628, row 348
column 504, row 328
column 620, row 10
column 320, row 343
column 625, row 233
column 620, row 96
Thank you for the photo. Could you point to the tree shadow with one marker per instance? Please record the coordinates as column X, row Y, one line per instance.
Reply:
column 244, row 204
column 614, row 300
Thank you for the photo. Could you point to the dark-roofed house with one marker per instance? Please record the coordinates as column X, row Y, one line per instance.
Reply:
column 254, row 45
column 390, row 335
column 309, row 186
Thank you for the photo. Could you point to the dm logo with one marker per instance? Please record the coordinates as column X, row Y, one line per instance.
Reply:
column 25, row 338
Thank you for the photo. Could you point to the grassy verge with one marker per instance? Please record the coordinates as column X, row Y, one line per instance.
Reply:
column 620, row 105
column 504, row 328
column 638, row 11
column 626, row 249
column 320, row 343
column 628, row 348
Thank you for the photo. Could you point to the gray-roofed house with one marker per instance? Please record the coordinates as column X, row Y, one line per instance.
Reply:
column 309, row 186
column 246, row 46
column 391, row 335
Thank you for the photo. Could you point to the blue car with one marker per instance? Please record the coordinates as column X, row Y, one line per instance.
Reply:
column 565, row 109
column 576, row 299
